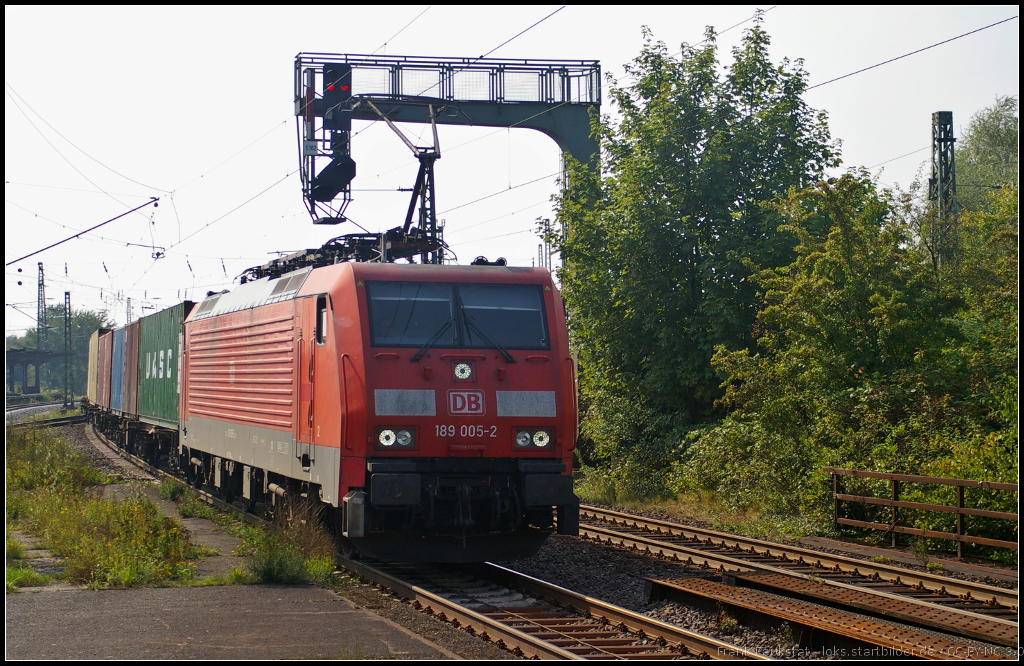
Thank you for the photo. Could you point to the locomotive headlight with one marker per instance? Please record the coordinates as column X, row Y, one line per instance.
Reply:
column 387, row 437
column 523, row 438
column 463, row 371
column 404, row 438
column 541, row 438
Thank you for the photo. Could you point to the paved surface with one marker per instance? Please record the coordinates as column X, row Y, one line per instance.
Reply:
column 232, row 622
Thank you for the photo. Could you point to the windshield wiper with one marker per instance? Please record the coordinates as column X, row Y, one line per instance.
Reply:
column 434, row 338
column 487, row 338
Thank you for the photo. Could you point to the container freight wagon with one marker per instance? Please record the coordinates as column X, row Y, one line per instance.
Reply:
column 130, row 371
column 105, row 347
column 92, row 380
column 159, row 366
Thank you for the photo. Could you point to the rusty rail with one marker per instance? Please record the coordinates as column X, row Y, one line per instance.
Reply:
column 894, row 503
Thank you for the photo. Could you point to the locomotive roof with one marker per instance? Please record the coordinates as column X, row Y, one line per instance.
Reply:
column 288, row 286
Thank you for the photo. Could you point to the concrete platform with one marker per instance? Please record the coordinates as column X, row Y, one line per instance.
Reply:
column 231, row 622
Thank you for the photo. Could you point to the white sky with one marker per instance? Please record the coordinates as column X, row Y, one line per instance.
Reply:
column 198, row 102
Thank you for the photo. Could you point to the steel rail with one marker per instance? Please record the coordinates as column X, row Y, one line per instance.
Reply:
column 48, row 423
column 480, row 623
column 837, row 563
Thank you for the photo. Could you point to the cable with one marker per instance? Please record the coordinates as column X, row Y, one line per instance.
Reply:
column 233, row 156
column 234, row 209
column 62, row 154
column 898, row 158
column 400, row 31
column 74, row 189
column 477, row 224
column 64, row 226
column 502, row 44
column 838, row 78
column 150, row 187
column 154, row 200
column 523, row 32
column 494, row 194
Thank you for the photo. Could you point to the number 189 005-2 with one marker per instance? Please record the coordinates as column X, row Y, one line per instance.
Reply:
column 466, row 430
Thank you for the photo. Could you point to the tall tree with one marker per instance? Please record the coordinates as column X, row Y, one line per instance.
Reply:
column 657, row 249
column 987, row 156
column 866, row 358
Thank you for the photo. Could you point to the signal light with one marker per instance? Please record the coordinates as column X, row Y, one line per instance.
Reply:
column 337, row 93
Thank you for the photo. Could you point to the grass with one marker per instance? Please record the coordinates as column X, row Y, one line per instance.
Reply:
column 706, row 509
column 20, row 574
column 51, row 492
column 299, row 550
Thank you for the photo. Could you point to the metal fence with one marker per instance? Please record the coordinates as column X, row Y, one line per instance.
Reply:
column 895, row 504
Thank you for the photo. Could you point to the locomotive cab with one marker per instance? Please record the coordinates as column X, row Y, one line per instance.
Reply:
column 470, row 414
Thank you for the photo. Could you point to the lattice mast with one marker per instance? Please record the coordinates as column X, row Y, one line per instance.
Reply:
column 41, row 342
column 69, row 398
column 942, row 189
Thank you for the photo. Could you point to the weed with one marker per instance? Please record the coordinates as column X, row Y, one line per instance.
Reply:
column 727, row 624
column 919, row 549
column 278, row 562
column 240, row 577
column 320, row 570
column 40, row 459
column 15, row 551
column 193, row 507
column 22, row 575
column 881, row 559
column 934, row 566
column 785, row 633
column 116, row 543
column 172, row 489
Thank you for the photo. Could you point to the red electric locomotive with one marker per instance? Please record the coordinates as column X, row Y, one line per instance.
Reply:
column 432, row 407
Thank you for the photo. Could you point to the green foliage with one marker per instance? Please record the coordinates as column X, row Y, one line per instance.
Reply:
column 83, row 324
column 109, row 543
column 656, row 248
column 278, row 562
column 105, row 543
column 171, row 489
column 871, row 356
column 987, row 154
column 22, row 575
column 36, row 458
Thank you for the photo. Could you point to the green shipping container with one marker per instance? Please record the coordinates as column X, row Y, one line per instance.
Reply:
column 159, row 364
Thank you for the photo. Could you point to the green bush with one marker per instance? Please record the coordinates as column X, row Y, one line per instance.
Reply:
column 278, row 562
column 172, row 489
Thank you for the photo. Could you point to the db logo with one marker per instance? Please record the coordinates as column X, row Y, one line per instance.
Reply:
column 465, row 402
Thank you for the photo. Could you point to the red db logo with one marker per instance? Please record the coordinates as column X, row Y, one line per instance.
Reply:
column 465, row 402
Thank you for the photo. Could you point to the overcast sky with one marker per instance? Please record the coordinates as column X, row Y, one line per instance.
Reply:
column 194, row 105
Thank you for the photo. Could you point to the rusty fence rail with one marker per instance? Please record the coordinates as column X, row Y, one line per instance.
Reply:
column 894, row 503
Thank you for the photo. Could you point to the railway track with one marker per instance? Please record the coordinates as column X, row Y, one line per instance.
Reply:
column 535, row 619
column 972, row 610
column 15, row 411
column 540, row 620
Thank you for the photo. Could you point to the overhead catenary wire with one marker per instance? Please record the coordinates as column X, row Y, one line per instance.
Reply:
column 400, row 31
column 886, row 62
column 114, row 171
column 32, row 254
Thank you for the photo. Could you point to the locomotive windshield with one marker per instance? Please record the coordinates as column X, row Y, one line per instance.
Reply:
column 474, row 316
